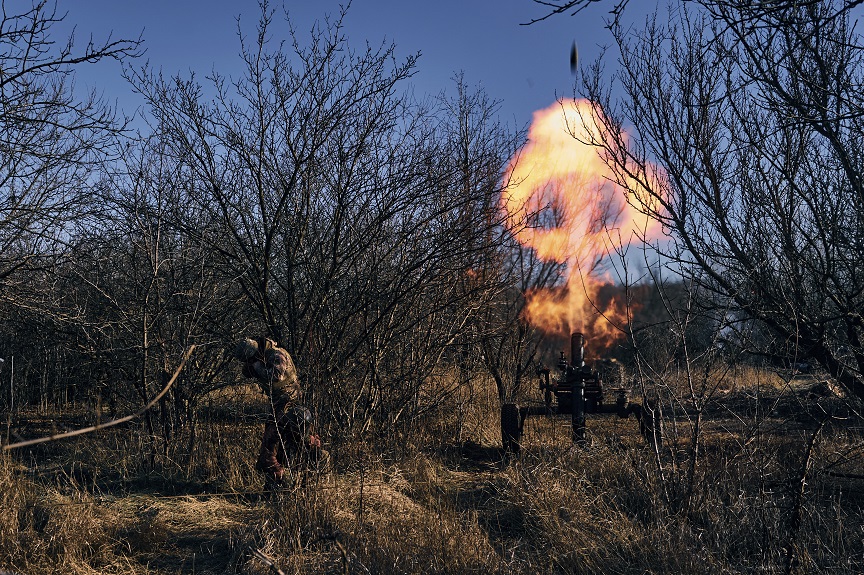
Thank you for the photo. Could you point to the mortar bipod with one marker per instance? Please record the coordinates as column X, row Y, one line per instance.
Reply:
column 577, row 390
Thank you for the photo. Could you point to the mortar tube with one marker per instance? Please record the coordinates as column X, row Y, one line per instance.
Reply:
column 577, row 349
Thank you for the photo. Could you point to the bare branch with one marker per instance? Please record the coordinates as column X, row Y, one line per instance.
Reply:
column 111, row 423
column 576, row 6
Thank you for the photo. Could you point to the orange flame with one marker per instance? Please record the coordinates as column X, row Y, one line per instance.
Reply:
column 561, row 201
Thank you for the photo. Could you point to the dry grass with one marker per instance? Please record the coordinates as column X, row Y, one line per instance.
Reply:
column 448, row 502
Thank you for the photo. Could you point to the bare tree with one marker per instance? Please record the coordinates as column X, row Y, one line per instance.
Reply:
column 148, row 290
column 754, row 117
column 258, row 154
column 510, row 345
column 755, row 120
column 52, row 142
column 343, row 214
column 50, row 139
column 743, row 10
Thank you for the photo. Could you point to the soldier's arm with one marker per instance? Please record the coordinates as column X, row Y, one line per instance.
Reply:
column 262, row 372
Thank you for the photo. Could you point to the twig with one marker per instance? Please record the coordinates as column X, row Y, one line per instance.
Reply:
column 259, row 555
column 110, row 423
column 795, row 521
column 334, row 537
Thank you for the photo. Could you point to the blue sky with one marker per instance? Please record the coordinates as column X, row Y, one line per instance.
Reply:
column 525, row 67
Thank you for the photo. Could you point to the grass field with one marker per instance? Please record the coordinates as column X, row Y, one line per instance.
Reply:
column 449, row 500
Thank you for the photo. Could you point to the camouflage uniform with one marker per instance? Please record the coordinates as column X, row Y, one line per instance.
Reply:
column 288, row 430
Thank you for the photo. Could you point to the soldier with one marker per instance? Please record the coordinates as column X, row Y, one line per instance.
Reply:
column 288, row 431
